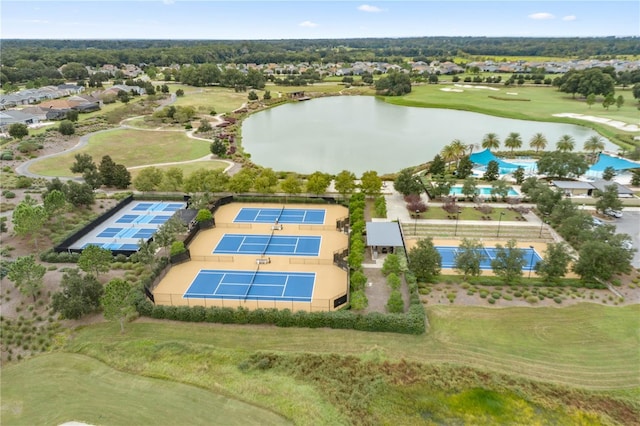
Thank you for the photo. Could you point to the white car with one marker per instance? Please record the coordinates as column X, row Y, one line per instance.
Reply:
column 596, row 221
column 613, row 213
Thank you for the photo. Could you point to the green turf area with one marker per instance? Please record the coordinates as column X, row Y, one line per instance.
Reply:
column 57, row 388
column 189, row 168
column 474, row 364
column 128, row 147
column 220, row 99
column 542, row 103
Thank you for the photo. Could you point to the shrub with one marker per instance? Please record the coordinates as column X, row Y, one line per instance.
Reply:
column 203, row 215
column 177, row 247
column 395, row 303
column 359, row 300
column 9, row 194
column 557, row 300
column 358, row 280
column 394, row 281
column 532, row 299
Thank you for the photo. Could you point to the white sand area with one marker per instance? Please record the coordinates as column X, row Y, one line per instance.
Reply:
column 469, row 86
column 613, row 123
column 449, row 89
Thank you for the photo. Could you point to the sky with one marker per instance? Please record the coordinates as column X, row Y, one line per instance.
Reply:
column 259, row 20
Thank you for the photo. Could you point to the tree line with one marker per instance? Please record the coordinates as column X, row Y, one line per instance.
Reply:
column 55, row 53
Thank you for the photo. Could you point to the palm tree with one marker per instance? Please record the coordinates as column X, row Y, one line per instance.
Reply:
column 513, row 141
column 458, row 148
column 448, row 154
column 538, row 141
column 593, row 144
column 490, row 141
column 565, row 143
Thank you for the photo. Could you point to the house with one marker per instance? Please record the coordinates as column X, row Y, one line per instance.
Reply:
column 12, row 116
column 572, row 188
column 623, row 191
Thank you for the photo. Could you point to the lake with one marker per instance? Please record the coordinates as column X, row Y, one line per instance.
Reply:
column 360, row 133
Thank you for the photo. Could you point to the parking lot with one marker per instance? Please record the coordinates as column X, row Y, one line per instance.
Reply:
column 629, row 223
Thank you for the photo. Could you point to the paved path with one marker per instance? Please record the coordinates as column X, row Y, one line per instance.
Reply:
column 231, row 169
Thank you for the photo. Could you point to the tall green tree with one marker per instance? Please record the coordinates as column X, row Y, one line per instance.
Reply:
column 437, row 166
column 608, row 199
column 54, row 203
column 594, row 144
column 600, row 260
column 79, row 194
column 591, row 99
column 424, row 260
column 370, row 183
column 27, row 275
column 566, row 143
column 513, row 141
column 79, row 295
column 95, row 259
column 555, row 263
column 318, row 182
column 469, row 257
column 83, row 162
column 492, row 172
column 508, row 262
column 218, row 148
column 491, row 141
column 406, row 183
column 18, row 130
column 121, row 178
column 242, row 181
column 28, row 220
column 562, row 164
column 265, row 181
column 345, row 183
column 117, row 303
column 465, row 168
column 292, row 184
column 394, row 84
column 107, row 170
column 469, row 188
column 538, row 142
column 204, row 180
column 148, row 179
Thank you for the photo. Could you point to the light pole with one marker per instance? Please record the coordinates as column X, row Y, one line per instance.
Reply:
column 415, row 226
column 533, row 252
column 455, row 232
column 499, row 221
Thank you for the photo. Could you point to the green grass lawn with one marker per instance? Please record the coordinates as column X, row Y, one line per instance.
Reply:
column 57, row 388
column 128, row 147
column 205, row 99
column 589, row 351
column 542, row 103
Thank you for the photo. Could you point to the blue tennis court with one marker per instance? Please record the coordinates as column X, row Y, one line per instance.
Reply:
column 157, row 207
column 155, row 219
column 291, row 216
column 269, row 245
column 448, row 255
column 250, row 285
column 138, row 233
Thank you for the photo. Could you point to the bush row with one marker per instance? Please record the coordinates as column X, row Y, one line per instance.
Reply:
column 410, row 323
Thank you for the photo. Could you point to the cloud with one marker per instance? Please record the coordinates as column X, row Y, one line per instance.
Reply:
column 369, row 8
column 569, row 18
column 541, row 16
column 308, row 24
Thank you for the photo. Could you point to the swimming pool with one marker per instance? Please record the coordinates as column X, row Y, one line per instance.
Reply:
column 482, row 190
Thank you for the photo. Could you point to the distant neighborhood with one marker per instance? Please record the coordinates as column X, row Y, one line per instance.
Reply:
column 35, row 106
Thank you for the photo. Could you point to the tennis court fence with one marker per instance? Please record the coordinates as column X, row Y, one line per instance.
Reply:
column 315, row 228
column 212, row 258
column 316, row 305
column 234, row 225
column 305, row 261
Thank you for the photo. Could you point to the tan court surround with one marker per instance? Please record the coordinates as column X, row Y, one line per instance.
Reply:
column 331, row 281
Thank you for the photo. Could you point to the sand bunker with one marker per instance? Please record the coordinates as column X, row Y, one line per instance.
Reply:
column 469, row 86
column 448, row 89
column 613, row 123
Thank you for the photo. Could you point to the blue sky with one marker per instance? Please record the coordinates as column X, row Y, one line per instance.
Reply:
column 205, row 19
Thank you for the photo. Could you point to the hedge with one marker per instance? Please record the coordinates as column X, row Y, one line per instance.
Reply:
column 412, row 322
